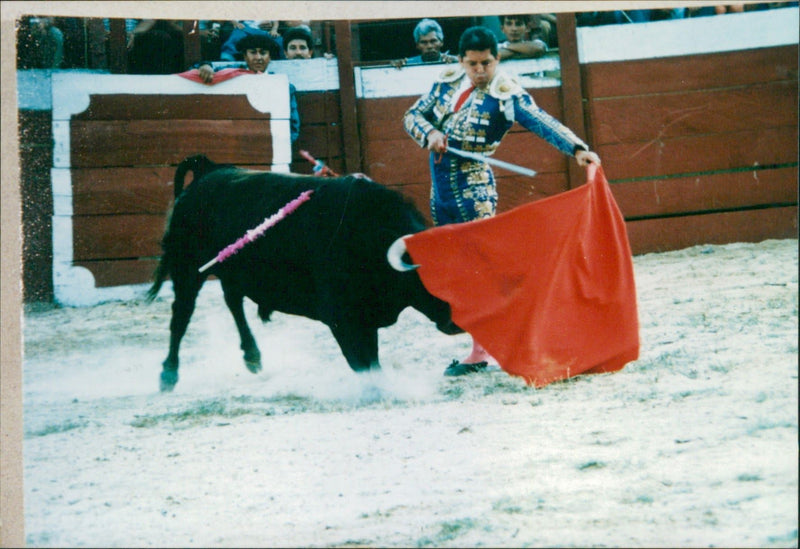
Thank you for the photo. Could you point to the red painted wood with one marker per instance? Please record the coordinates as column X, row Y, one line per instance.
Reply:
column 347, row 97
column 516, row 190
column 163, row 107
column 718, row 111
column 154, row 142
column 122, row 190
column 318, row 107
column 700, row 153
column 321, row 141
column 571, row 86
column 707, row 192
column 120, row 271
column 674, row 233
column 686, row 73
column 117, row 236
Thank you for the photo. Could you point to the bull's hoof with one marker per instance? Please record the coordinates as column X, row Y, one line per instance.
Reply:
column 254, row 367
column 252, row 359
column 168, row 380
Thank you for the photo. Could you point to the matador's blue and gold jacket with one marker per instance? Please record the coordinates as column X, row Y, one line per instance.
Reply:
column 484, row 120
column 462, row 189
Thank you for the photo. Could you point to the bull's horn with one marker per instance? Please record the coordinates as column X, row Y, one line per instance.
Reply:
column 395, row 256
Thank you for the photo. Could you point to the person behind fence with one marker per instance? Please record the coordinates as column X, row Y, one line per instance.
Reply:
column 429, row 41
column 297, row 43
column 257, row 50
column 543, row 27
column 470, row 107
column 155, row 46
column 241, row 29
column 516, row 45
column 40, row 44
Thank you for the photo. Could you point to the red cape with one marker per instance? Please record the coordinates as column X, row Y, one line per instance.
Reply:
column 547, row 288
column 219, row 76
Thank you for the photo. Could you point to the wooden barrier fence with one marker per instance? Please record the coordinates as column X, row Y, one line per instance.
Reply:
column 699, row 143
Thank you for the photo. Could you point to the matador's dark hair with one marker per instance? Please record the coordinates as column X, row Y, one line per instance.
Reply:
column 477, row 39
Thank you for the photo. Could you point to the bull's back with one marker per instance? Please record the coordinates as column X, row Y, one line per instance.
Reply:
column 329, row 253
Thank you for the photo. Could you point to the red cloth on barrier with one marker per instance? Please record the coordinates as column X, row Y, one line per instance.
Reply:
column 219, row 76
column 547, row 288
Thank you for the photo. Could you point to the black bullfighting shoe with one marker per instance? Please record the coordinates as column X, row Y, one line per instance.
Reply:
column 457, row 368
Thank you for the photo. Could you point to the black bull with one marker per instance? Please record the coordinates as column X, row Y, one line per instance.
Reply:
column 326, row 261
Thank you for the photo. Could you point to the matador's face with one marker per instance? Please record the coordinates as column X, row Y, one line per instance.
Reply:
column 480, row 67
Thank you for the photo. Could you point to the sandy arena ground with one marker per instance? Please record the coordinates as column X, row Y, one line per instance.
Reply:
column 694, row 444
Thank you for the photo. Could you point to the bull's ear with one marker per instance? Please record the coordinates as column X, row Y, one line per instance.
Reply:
column 395, row 255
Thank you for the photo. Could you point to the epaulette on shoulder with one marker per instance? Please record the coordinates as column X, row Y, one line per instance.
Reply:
column 504, row 86
column 451, row 73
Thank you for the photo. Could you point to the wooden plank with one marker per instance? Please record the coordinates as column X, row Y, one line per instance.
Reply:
column 169, row 107
column 707, row 192
column 322, row 141
column 648, row 117
column 401, row 161
column 120, row 271
column 529, row 150
column 685, row 73
column 117, row 236
column 318, row 107
column 153, row 142
column 702, row 153
column 571, row 86
column 347, row 96
column 675, row 233
column 381, row 119
column 516, row 190
column 549, row 99
column 97, row 191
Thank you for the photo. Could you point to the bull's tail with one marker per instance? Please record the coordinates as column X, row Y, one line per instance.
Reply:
column 198, row 164
column 159, row 277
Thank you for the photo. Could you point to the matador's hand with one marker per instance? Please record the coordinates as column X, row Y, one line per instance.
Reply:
column 585, row 158
column 437, row 141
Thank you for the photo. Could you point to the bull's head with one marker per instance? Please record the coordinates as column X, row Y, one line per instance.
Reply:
column 433, row 307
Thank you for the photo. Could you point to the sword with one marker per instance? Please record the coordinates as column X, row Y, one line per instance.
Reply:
column 492, row 161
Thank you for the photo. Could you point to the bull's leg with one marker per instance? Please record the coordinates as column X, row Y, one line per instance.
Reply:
column 186, row 288
column 359, row 345
column 252, row 356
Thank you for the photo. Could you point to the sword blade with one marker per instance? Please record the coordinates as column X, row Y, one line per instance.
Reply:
column 493, row 161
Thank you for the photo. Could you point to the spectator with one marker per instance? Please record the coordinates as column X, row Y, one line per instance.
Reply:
column 40, row 44
column 297, row 43
column 515, row 28
column 429, row 40
column 155, row 46
column 210, row 39
column 257, row 51
column 249, row 28
column 542, row 26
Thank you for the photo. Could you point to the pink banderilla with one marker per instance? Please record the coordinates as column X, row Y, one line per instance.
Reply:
column 258, row 231
column 319, row 167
